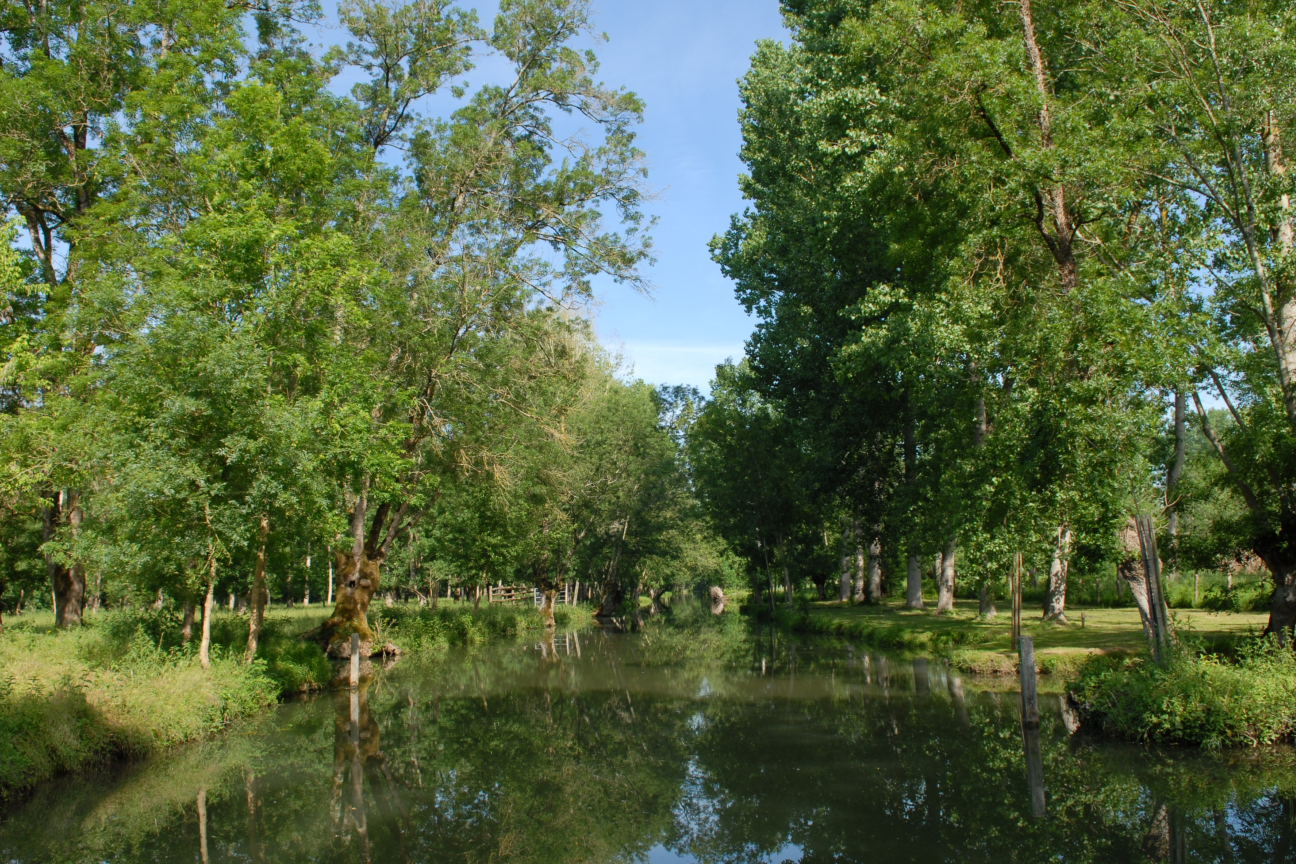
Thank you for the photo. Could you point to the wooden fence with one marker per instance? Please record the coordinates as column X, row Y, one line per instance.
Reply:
column 510, row 594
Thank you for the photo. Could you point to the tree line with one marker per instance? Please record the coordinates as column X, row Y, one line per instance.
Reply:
column 1021, row 274
column 262, row 333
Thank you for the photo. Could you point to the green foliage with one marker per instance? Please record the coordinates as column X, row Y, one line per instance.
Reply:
column 422, row 629
column 1196, row 698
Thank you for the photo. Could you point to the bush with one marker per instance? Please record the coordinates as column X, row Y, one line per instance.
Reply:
column 1252, row 597
column 1197, row 698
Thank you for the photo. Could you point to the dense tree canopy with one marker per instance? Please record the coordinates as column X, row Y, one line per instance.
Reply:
column 262, row 337
column 999, row 256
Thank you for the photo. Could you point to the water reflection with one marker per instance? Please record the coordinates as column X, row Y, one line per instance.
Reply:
column 693, row 746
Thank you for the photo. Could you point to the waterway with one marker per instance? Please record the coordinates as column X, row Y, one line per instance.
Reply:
column 711, row 742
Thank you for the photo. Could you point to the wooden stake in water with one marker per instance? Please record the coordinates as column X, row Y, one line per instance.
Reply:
column 1026, row 670
column 1034, row 770
column 355, row 660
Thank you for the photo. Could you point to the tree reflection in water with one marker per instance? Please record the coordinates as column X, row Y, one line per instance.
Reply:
column 667, row 745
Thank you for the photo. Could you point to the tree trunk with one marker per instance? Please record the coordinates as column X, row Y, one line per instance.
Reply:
column 186, row 628
column 67, row 583
column 874, row 581
column 1055, row 593
column 945, row 579
column 913, row 583
column 1130, row 571
column 1282, row 605
column 860, row 555
column 843, row 591
column 547, row 608
column 787, row 586
column 1173, row 473
column 204, row 646
column 258, row 598
column 985, row 606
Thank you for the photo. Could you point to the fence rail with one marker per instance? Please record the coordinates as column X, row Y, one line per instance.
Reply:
column 528, row 594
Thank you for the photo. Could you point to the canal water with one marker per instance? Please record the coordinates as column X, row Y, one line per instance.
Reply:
column 705, row 743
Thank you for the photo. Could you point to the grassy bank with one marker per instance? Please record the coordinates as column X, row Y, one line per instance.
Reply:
column 126, row 685
column 978, row 646
column 1200, row 697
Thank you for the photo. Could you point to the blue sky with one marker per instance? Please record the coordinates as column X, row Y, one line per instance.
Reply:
column 683, row 58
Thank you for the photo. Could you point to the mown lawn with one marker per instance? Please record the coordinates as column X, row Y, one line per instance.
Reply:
column 985, row 645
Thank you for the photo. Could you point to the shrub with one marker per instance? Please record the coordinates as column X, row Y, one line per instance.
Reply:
column 1197, row 698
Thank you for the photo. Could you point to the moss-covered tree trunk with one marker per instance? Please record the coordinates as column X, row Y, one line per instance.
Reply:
column 874, row 588
column 547, row 607
column 357, row 574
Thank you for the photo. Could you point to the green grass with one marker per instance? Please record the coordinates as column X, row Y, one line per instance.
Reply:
column 977, row 646
column 73, row 698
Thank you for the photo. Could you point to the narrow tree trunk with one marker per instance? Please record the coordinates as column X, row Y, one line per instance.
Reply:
column 860, row 557
column 843, row 591
column 204, row 646
column 787, row 586
column 258, row 591
column 875, row 568
column 945, row 579
column 913, row 583
column 1130, row 571
column 186, row 628
column 1173, row 473
column 1055, row 593
column 986, row 607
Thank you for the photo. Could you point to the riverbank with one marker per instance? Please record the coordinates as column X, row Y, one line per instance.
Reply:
column 126, row 685
column 1224, row 687
column 977, row 646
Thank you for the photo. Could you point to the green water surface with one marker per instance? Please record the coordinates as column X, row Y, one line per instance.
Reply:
column 712, row 742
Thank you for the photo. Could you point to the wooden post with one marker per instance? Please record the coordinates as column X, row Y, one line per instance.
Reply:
column 1158, row 614
column 1034, row 770
column 355, row 660
column 1016, row 586
column 1026, row 671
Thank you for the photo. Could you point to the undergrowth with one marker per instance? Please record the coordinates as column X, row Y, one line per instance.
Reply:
column 423, row 629
column 76, row 697
column 1197, row 698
